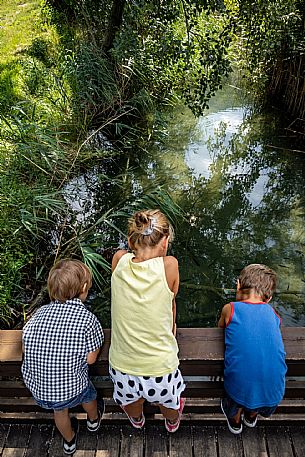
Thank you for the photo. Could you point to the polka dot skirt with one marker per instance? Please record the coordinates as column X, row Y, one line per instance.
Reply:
column 165, row 390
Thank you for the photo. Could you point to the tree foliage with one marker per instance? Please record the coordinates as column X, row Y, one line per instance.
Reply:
column 165, row 48
column 272, row 45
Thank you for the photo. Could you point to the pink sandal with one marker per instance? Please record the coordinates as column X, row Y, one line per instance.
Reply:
column 173, row 426
column 135, row 423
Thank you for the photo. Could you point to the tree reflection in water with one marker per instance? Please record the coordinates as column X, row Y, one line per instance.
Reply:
column 248, row 208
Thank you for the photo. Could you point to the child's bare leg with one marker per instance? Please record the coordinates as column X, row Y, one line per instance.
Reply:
column 135, row 409
column 91, row 410
column 169, row 413
column 63, row 423
column 236, row 418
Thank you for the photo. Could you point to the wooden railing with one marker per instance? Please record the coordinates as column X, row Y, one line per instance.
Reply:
column 201, row 362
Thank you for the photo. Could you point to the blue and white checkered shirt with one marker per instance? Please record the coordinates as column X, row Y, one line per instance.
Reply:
column 57, row 340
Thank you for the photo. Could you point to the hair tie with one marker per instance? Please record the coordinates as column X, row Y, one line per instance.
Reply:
column 152, row 224
column 147, row 231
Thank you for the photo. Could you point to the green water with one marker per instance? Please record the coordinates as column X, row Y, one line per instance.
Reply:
column 241, row 187
column 243, row 195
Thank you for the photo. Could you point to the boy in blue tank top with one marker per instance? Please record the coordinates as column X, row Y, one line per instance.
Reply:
column 255, row 368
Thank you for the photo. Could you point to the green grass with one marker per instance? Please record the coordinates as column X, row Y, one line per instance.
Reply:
column 20, row 23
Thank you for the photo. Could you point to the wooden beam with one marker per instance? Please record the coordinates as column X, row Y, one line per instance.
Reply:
column 201, row 352
column 195, row 344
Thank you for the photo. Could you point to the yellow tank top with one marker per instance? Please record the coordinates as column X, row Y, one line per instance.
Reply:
column 142, row 342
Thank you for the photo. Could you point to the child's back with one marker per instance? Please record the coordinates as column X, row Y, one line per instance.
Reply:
column 56, row 342
column 142, row 328
column 255, row 356
column 255, row 368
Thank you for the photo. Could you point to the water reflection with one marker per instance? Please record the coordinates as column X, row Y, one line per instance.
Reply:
column 244, row 202
column 198, row 154
column 243, row 198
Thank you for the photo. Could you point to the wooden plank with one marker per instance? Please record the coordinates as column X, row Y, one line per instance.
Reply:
column 201, row 351
column 194, row 343
column 228, row 444
column 294, row 342
column 156, row 439
column 4, row 429
column 11, row 345
column 254, row 443
column 194, row 389
column 204, row 441
column 40, row 439
column 180, row 443
column 298, row 440
column 10, row 368
column 17, row 440
column 56, row 443
column 132, row 444
column 197, row 344
column 86, row 443
column 193, row 406
column 278, row 442
column 108, row 441
column 200, row 344
column 187, row 367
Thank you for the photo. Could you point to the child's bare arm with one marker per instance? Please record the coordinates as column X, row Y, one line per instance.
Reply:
column 172, row 277
column 225, row 316
column 92, row 356
column 117, row 257
column 172, row 273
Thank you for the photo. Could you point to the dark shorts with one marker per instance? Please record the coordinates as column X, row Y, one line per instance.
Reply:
column 86, row 396
column 231, row 408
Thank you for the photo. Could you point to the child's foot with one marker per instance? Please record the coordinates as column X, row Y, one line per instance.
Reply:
column 172, row 426
column 93, row 426
column 248, row 420
column 137, row 422
column 233, row 426
column 69, row 447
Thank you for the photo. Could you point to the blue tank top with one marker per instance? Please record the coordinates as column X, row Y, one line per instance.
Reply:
column 255, row 368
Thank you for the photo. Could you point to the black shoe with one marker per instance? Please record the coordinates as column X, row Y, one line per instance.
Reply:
column 233, row 426
column 69, row 447
column 93, row 426
column 248, row 420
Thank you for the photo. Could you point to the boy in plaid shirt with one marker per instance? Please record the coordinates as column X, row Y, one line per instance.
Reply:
column 60, row 341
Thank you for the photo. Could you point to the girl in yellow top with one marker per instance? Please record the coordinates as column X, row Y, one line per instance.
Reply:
column 143, row 354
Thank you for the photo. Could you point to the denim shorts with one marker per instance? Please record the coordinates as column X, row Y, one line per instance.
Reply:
column 231, row 408
column 86, row 396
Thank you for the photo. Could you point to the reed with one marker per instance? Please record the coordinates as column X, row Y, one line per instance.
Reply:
column 288, row 83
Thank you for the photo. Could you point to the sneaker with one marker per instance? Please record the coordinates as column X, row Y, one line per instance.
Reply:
column 173, row 426
column 93, row 426
column 135, row 423
column 248, row 420
column 233, row 426
column 69, row 447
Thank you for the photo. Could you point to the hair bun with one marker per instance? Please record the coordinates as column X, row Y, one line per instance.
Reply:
column 146, row 228
column 141, row 219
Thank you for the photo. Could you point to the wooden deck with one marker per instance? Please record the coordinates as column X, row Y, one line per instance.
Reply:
column 41, row 439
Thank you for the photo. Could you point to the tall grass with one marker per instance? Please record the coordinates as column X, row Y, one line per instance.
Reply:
column 57, row 94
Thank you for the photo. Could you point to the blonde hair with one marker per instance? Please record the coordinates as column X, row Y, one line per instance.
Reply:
column 67, row 279
column 146, row 228
column 260, row 278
